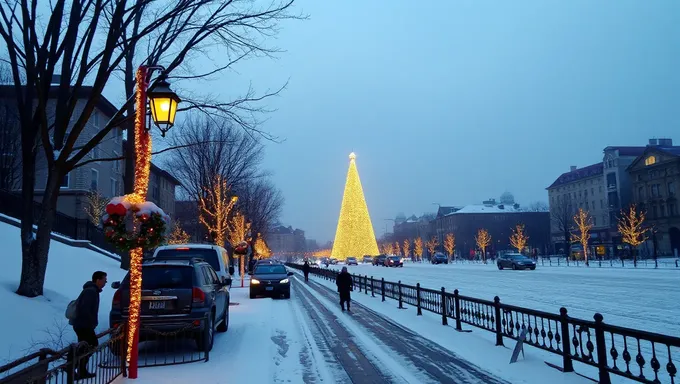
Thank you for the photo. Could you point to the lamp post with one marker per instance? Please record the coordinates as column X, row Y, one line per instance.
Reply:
column 163, row 104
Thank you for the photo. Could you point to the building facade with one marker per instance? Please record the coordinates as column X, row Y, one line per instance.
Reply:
column 161, row 191
column 655, row 175
column 284, row 240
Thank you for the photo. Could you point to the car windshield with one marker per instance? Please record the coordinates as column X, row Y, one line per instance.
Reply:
column 518, row 257
column 209, row 255
column 164, row 276
column 351, row 258
column 394, row 257
column 270, row 269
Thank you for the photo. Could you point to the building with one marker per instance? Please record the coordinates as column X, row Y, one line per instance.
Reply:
column 617, row 182
column 186, row 213
column 161, row 191
column 578, row 188
column 103, row 177
column 283, row 240
column 655, row 176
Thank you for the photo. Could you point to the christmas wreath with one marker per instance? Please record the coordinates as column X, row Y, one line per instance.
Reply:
column 241, row 248
column 128, row 225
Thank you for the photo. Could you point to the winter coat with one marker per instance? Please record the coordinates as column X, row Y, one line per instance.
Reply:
column 344, row 282
column 305, row 268
column 87, row 307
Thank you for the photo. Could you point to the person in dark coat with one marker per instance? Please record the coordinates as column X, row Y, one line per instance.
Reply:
column 305, row 270
column 344, row 283
column 87, row 319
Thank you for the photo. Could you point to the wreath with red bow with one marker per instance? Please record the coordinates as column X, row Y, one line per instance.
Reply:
column 241, row 248
column 127, row 225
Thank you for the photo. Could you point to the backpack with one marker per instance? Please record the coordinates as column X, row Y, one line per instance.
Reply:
column 71, row 310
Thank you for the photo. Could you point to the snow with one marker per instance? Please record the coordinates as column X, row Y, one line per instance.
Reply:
column 634, row 298
column 481, row 208
column 40, row 322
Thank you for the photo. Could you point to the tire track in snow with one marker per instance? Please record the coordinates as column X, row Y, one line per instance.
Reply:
column 440, row 364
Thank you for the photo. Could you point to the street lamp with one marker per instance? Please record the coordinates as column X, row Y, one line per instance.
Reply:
column 163, row 104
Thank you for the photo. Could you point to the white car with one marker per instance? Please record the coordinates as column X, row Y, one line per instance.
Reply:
column 216, row 256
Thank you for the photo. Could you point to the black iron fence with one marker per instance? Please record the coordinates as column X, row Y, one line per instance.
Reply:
column 71, row 227
column 641, row 356
column 610, row 262
column 108, row 360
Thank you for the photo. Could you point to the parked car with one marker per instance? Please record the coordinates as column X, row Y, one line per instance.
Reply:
column 324, row 261
column 440, row 258
column 216, row 256
column 176, row 292
column 515, row 261
column 351, row 261
column 270, row 279
column 379, row 260
column 393, row 261
column 367, row 259
column 334, row 261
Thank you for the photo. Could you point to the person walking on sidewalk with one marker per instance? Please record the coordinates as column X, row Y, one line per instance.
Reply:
column 305, row 270
column 87, row 318
column 344, row 283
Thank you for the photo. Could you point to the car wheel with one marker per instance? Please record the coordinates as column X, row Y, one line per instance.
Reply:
column 532, row 268
column 252, row 295
column 224, row 325
column 500, row 267
column 286, row 295
column 514, row 266
column 200, row 338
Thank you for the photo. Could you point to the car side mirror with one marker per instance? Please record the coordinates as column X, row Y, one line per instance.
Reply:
column 290, row 273
column 115, row 285
column 231, row 270
column 227, row 282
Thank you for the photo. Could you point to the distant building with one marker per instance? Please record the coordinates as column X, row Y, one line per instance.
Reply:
column 282, row 240
column 162, row 189
column 186, row 212
column 655, row 176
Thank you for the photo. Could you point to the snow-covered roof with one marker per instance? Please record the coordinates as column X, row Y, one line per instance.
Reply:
column 481, row 208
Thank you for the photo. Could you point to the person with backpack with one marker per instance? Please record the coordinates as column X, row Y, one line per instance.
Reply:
column 83, row 315
column 344, row 283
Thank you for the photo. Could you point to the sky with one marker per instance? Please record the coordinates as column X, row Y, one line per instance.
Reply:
column 454, row 102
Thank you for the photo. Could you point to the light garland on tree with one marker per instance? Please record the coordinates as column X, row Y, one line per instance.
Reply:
column 519, row 238
column 354, row 235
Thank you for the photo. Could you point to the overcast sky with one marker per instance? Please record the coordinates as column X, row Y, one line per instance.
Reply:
column 457, row 101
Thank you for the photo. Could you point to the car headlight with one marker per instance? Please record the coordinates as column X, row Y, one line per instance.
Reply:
column 254, row 281
column 284, row 281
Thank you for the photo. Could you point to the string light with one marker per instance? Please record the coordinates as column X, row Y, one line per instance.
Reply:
column 261, row 247
column 354, row 235
column 406, row 246
column 214, row 209
column 483, row 239
column 418, row 247
column 519, row 239
column 238, row 229
column 584, row 223
column 450, row 244
column 431, row 245
column 631, row 227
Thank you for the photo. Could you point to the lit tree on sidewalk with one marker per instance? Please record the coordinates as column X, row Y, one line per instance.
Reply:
column 483, row 239
column 397, row 248
column 178, row 235
column 450, row 244
column 388, row 248
column 519, row 238
column 431, row 245
column 96, row 207
column 238, row 232
column 631, row 226
column 581, row 233
column 406, row 247
column 418, row 248
column 214, row 208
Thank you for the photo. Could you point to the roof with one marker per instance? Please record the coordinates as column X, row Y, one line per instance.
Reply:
column 673, row 151
column 578, row 174
column 197, row 246
column 83, row 92
column 445, row 210
column 165, row 174
column 627, row 151
column 482, row 208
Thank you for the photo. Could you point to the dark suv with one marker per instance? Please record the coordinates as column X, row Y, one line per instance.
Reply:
column 176, row 293
column 440, row 258
column 379, row 260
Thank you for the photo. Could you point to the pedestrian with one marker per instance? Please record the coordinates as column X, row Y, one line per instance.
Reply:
column 86, row 320
column 305, row 270
column 344, row 283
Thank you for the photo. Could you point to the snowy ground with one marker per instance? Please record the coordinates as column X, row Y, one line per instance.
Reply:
column 644, row 298
column 40, row 322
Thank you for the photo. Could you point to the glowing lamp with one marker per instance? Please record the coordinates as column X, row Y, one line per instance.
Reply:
column 163, row 103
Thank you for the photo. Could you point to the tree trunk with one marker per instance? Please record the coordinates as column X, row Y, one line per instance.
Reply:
column 35, row 250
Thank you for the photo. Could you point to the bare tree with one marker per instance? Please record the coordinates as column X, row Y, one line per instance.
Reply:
column 85, row 44
column 562, row 216
column 537, row 206
column 96, row 207
column 261, row 202
column 210, row 147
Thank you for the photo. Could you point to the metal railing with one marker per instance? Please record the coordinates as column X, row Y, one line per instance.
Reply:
column 108, row 359
column 641, row 356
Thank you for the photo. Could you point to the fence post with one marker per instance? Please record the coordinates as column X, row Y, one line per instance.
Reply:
column 400, row 298
column 43, row 367
column 71, row 362
column 601, row 350
column 382, row 287
column 456, row 308
column 420, row 311
column 499, row 328
column 372, row 287
column 445, row 321
column 366, row 284
column 567, row 364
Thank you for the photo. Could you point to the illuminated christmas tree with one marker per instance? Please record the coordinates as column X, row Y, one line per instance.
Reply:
column 354, row 236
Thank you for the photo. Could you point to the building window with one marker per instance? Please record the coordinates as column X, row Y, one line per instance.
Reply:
column 641, row 193
column 94, row 179
column 671, row 189
column 602, row 204
column 655, row 190
column 116, row 163
column 671, row 209
column 594, row 221
column 114, row 187
column 601, row 189
column 587, row 206
column 592, row 191
column 650, row 160
column 662, row 210
column 65, row 181
column 96, row 153
column 585, row 193
column 95, row 118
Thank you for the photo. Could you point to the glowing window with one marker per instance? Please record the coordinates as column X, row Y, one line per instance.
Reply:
column 650, row 160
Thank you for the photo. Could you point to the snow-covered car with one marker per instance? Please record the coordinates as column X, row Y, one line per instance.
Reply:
column 515, row 261
column 351, row 261
column 367, row 259
column 216, row 256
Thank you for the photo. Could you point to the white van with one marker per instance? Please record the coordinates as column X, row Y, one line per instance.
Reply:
column 216, row 256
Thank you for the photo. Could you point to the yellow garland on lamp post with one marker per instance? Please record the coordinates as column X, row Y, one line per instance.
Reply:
column 163, row 103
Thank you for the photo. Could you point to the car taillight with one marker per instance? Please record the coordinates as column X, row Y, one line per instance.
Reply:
column 197, row 295
column 116, row 299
